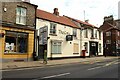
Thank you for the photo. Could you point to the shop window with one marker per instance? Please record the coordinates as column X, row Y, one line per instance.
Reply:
column 16, row 42
column 52, row 28
column 100, row 35
column 86, row 47
column 99, row 48
column 21, row 15
column 56, row 47
column 76, row 48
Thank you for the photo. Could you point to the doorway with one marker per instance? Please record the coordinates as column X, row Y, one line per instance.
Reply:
column 41, row 49
column 93, row 48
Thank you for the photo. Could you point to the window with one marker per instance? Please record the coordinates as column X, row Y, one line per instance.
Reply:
column 108, row 41
column 96, row 34
column 16, row 42
column 56, row 47
column 52, row 28
column 21, row 15
column 118, row 42
column 100, row 35
column 92, row 33
column 99, row 48
column 108, row 33
column 75, row 32
column 86, row 33
column 86, row 47
column 118, row 33
column 76, row 48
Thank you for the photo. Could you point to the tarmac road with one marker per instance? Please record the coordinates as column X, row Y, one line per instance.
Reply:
column 106, row 69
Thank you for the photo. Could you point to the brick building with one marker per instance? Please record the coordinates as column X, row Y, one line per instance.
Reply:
column 17, row 29
column 111, row 36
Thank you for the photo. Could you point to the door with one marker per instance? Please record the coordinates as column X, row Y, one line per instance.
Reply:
column 93, row 48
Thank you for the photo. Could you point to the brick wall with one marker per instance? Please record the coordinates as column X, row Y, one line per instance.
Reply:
column 10, row 14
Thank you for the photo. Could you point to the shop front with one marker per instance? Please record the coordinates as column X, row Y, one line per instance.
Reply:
column 17, row 44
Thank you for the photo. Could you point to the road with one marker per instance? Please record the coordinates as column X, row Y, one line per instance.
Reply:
column 106, row 69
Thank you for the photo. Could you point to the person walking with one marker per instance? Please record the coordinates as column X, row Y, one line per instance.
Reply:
column 45, row 57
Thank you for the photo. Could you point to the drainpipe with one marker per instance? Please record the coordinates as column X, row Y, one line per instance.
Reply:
column 81, row 29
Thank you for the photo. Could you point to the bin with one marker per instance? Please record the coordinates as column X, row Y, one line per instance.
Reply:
column 83, row 53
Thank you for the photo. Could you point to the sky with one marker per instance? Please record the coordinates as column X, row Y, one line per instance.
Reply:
column 92, row 10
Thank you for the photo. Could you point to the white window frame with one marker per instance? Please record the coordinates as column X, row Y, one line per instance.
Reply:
column 52, row 29
column 86, row 33
column 56, row 47
column 21, row 14
column 75, row 32
column 100, row 48
column 108, row 33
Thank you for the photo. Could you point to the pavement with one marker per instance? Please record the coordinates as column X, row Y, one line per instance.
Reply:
column 32, row 64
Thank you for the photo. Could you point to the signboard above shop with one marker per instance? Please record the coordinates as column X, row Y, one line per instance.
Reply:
column 69, row 37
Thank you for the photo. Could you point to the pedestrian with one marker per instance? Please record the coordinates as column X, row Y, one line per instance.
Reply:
column 45, row 57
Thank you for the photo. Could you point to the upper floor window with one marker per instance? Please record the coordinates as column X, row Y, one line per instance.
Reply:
column 75, row 32
column 92, row 33
column 96, row 34
column 86, row 33
column 118, row 33
column 21, row 15
column 52, row 28
column 108, row 41
column 100, row 35
column 108, row 33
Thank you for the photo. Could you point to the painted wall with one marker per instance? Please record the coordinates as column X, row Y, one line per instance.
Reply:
column 67, row 46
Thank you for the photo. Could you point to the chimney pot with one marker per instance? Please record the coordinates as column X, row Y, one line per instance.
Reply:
column 56, row 12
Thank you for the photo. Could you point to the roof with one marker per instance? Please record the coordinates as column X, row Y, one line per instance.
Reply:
column 82, row 22
column 111, row 27
column 52, row 17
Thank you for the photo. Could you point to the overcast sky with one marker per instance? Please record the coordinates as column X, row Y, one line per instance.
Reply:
column 95, row 10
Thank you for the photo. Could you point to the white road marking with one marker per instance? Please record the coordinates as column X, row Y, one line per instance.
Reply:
column 95, row 68
column 22, row 69
column 108, row 64
column 55, row 75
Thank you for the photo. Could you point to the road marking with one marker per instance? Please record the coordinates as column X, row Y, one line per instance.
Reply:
column 55, row 75
column 108, row 64
column 95, row 68
column 23, row 69
column 117, row 63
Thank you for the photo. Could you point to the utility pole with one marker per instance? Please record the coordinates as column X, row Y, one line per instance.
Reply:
column 84, row 15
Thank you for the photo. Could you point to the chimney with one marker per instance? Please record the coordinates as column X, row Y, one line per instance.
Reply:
column 86, row 21
column 56, row 12
column 109, row 19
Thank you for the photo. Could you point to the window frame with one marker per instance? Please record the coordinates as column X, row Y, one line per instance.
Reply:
column 75, row 32
column 58, row 45
column 108, row 33
column 20, row 17
column 52, row 29
column 86, row 33
column 16, row 45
